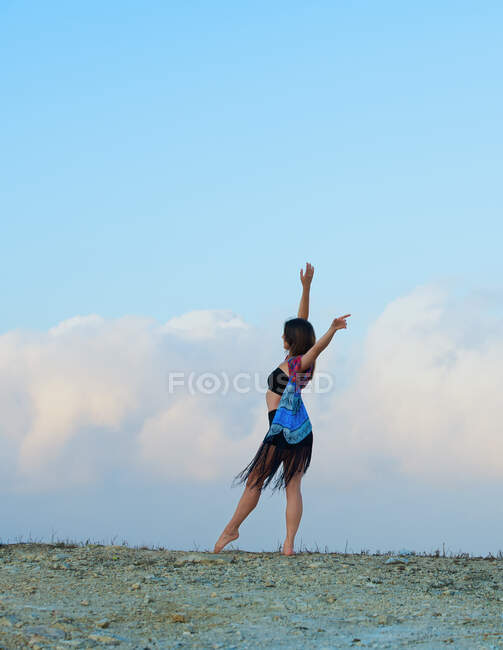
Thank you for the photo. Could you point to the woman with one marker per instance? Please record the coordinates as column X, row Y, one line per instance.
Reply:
column 289, row 439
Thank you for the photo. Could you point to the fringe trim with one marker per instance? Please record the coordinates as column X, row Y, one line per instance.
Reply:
column 270, row 455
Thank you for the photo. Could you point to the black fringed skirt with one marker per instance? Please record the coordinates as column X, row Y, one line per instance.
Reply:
column 271, row 454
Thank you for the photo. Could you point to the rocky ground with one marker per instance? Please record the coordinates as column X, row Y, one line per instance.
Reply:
column 71, row 596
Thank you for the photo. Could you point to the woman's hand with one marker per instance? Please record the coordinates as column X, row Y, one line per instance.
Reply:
column 339, row 323
column 307, row 276
column 307, row 359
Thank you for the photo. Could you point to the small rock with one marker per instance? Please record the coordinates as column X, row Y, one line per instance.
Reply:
column 387, row 619
column 135, row 586
column 178, row 618
column 45, row 631
column 396, row 560
column 75, row 642
column 104, row 638
column 193, row 557
column 84, row 602
column 103, row 623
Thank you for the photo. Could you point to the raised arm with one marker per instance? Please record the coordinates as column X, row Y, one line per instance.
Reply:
column 305, row 279
column 307, row 359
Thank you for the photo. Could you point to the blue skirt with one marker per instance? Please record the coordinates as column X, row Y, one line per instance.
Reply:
column 275, row 451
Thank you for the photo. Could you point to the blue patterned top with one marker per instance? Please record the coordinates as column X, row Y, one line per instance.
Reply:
column 291, row 417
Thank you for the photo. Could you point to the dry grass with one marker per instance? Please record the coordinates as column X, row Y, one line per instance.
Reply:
column 437, row 553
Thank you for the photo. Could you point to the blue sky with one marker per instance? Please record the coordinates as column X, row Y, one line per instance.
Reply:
column 160, row 158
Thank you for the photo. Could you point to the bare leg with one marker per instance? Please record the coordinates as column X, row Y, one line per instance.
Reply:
column 293, row 512
column 247, row 502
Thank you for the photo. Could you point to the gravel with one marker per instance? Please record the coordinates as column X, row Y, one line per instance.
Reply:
column 103, row 596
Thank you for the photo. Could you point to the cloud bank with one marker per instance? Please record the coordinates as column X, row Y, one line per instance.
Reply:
column 425, row 399
column 90, row 396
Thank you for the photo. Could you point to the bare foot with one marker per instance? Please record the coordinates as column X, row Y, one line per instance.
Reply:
column 224, row 539
column 288, row 549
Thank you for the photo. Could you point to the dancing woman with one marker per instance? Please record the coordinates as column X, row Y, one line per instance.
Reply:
column 289, row 439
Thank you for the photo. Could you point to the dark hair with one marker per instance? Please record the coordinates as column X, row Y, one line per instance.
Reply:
column 300, row 336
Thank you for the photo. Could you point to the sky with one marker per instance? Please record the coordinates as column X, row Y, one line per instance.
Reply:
column 166, row 170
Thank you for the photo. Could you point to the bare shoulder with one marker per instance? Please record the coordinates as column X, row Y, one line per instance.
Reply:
column 284, row 367
column 305, row 363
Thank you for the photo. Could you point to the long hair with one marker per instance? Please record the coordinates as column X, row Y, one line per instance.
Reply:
column 300, row 336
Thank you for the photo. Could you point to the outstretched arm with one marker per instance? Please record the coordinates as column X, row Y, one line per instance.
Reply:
column 307, row 359
column 305, row 279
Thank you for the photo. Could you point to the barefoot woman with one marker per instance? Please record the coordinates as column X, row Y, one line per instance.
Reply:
column 290, row 438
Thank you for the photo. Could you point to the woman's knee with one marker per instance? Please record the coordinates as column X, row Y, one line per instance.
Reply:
column 254, row 483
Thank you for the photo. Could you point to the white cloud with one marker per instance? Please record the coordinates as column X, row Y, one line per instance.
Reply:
column 425, row 401
column 76, row 321
column 189, row 441
column 90, row 395
column 100, row 387
column 204, row 323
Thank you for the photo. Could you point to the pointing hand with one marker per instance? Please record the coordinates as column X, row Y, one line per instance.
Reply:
column 340, row 323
